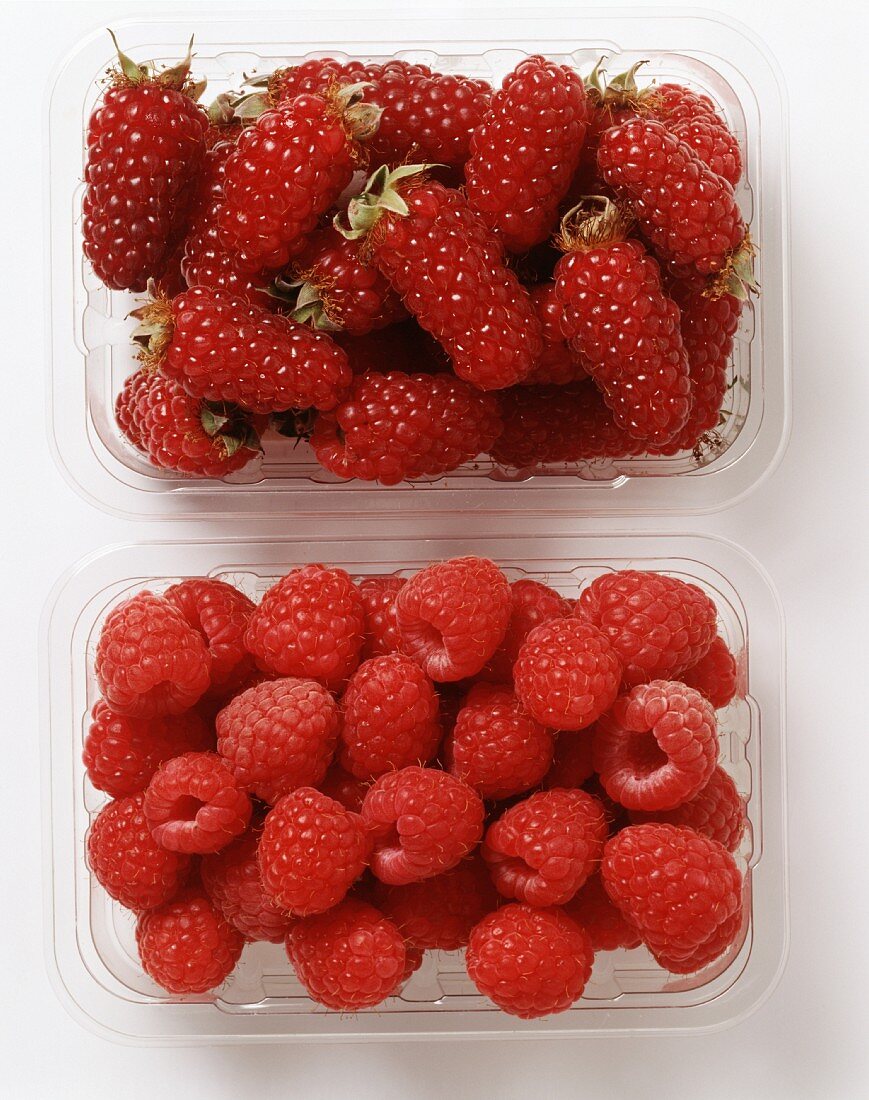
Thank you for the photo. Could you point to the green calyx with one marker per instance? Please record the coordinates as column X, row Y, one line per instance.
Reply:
column 177, row 76
column 594, row 221
column 380, row 196
column 307, row 301
column 228, row 427
column 153, row 334
column 621, row 91
column 737, row 276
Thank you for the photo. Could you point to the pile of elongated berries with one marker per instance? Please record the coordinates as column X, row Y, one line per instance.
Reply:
column 369, row 769
column 558, row 278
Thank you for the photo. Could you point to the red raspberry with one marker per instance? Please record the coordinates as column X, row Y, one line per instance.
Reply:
column 278, row 735
column 526, row 149
column 542, row 850
column 617, row 316
column 567, row 674
column 443, row 261
column 149, row 662
column 496, row 747
column 287, row 170
column 344, row 788
column 658, row 625
column 220, row 613
column 121, row 754
column 438, row 913
column 531, row 603
column 180, row 432
column 657, row 747
column 678, row 888
column 423, row 822
column 145, row 146
column 693, row 118
column 687, row 211
column 310, row 623
column 717, row 811
column 453, row 615
column 530, row 962
column 556, row 424
column 381, row 627
column 715, row 675
column 559, row 364
column 389, row 717
column 193, row 804
column 349, row 958
column 311, row 852
column 681, row 962
column 572, row 763
column 395, row 426
column 187, row 946
column 232, row 880
column 126, row 860
column 607, row 928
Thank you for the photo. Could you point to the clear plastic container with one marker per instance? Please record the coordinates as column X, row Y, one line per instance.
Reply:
column 90, row 330
column 90, row 943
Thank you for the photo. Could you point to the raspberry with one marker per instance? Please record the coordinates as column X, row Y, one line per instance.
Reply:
column 193, row 804
column 453, row 615
column 349, row 958
column 149, row 662
column 681, row 890
column 693, row 118
column 381, row 627
column 311, row 852
column 617, row 316
column 496, row 747
column 531, row 603
column 344, row 788
column 389, row 717
column 530, row 962
column 571, row 763
column 278, row 735
column 182, row 433
column 448, row 269
column 126, row 860
column 310, row 623
column 220, row 347
column 542, row 850
column 690, row 962
column 567, row 674
column 187, row 946
column 717, row 811
column 121, row 754
column 607, row 928
column 220, row 613
column 715, row 675
column 658, row 625
column 687, row 211
column 396, row 426
column 657, row 747
column 438, row 913
column 232, row 880
column 526, row 149
column 423, row 822
column 145, row 146
column 559, row 364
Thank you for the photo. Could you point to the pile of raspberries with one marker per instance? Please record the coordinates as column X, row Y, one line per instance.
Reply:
column 368, row 769
column 411, row 269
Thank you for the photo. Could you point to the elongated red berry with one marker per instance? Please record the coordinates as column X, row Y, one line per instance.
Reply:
column 694, row 118
column 559, row 365
column 526, row 149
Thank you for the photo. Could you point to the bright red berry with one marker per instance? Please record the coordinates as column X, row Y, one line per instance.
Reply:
column 186, row 945
column 531, row 603
column 526, row 149
column 453, row 615
column 393, row 426
column 309, row 624
column 694, row 119
column 717, row 811
column 149, row 661
column 381, row 627
column 122, row 753
column 604, row 922
column 658, row 625
column 232, row 880
column 559, row 365
column 349, row 958
column 572, row 762
column 542, row 850
column 389, row 717
column 531, row 962
column 193, row 804
column 716, row 674
column 423, row 822
column 278, row 735
column 567, row 674
column 126, row 860
column 657, row 747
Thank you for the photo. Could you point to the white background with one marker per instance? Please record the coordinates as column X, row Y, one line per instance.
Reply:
column 807, row 524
